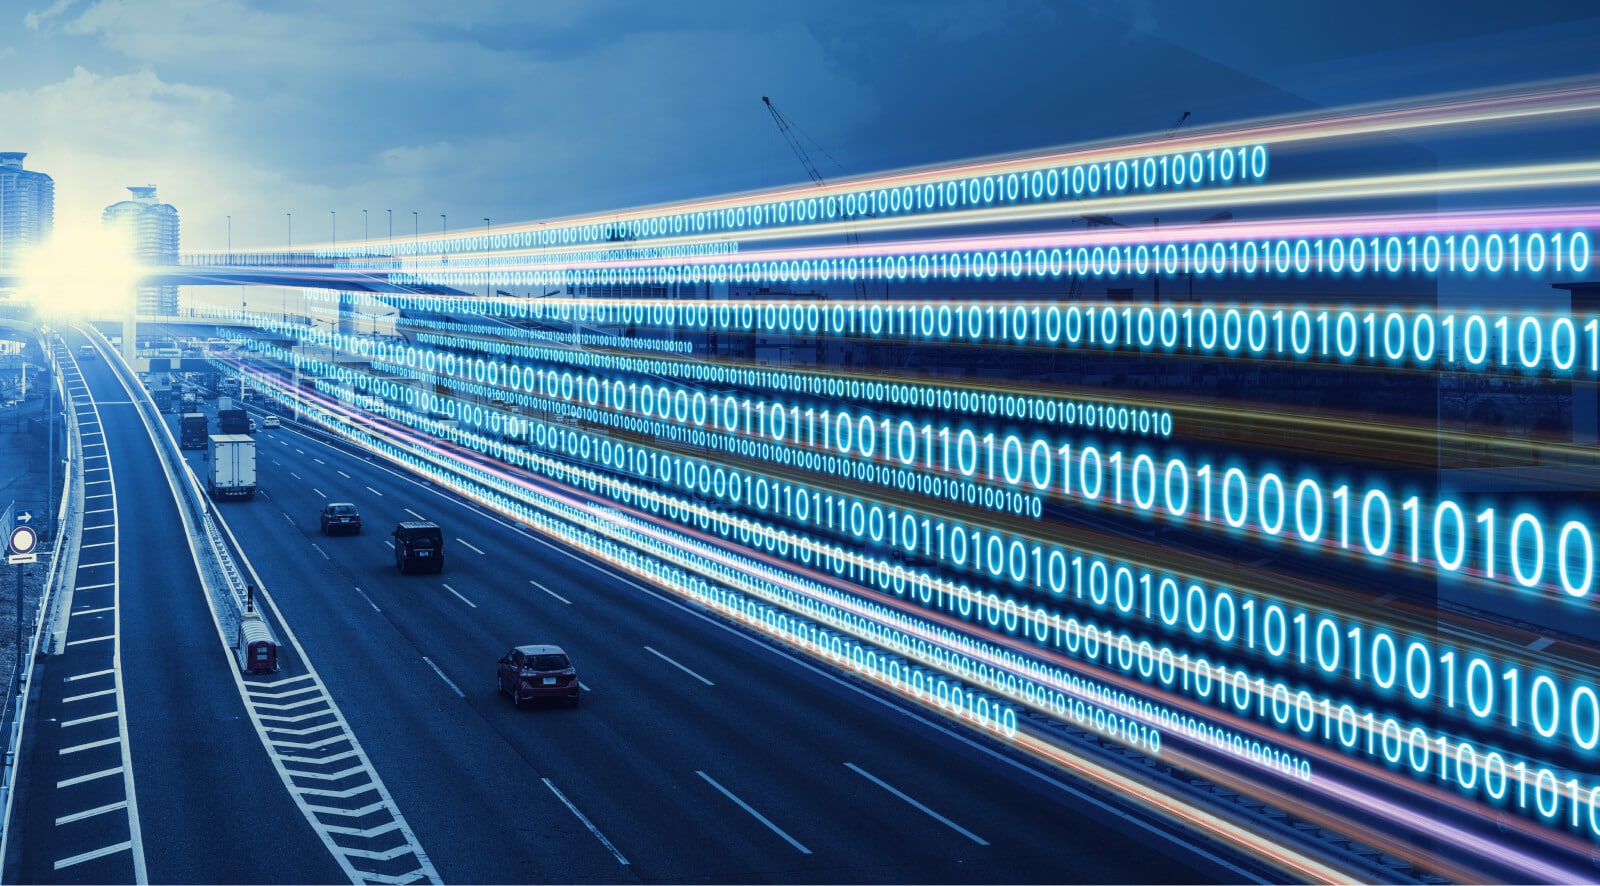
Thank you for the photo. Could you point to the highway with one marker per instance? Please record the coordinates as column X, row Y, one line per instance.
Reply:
column 142, row 764
column 698, row 753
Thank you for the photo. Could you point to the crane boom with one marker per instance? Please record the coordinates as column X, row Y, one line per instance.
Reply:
column 794, row 142
column 816, row 177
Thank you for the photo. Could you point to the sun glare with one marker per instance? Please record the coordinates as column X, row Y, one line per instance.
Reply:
column 86, row 271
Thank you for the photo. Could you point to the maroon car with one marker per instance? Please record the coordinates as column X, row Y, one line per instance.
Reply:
column 528, row 672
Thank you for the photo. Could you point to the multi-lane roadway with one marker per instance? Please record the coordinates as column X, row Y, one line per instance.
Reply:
column 699, row 752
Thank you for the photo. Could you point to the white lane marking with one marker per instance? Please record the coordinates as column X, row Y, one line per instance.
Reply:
column 290, row 519
column 299, row 450
column 448, row 682
column 463, row 599
column 294, row 475
column 318, row 460
column 283, row 442
column 97, row 495
column 388, row 542
column 88, row 675
column 95, row 482
column 583, row 818
column 758, row 816
column 374, row 492
column 98, row 511
column 583, row 686
column 550, row 592
column 93, row 587
column 90, row 719
column 90, row 746
column 111, row 691
column 468, row 545
column 90, row 813
column 93, row 565
column 411, row 512
column 91, row 640
column 936, row 816
column 369, row 600
column 98, row 544
column 342, row 474
column 278, row 463
column 92, row 611
column 104, row 773
column 1154, row 831
column 678, row 666
column 94, row 854
column 319, row 492
column 321, row 551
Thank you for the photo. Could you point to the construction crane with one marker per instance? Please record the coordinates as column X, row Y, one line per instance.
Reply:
column 1173, row 129
column 787, row 129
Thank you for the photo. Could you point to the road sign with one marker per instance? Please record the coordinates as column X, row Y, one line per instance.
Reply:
column 22, row 558
column 24, row 517
column 22, row 540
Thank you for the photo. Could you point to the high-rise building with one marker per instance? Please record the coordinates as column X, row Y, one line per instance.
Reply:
column 153, row 228
column 27, row 208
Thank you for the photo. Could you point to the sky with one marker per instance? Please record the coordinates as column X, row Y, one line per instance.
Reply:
column 518, row 110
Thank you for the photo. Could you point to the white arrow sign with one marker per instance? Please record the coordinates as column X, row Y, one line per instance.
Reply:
column 24, row 517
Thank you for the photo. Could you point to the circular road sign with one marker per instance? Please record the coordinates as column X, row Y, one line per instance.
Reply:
column 23, row 540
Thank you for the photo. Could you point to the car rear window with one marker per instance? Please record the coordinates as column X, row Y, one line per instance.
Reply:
column 342, row 510
column 548, row 662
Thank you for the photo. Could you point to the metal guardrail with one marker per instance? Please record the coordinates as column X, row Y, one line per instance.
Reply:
column 223, row 563
column 17, row 705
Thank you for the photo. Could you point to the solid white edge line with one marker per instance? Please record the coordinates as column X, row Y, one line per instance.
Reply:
column 750, row 809
column 470, row 546
column 898, row 793
column 585, row 819
column 680, row 667
column 448, row 682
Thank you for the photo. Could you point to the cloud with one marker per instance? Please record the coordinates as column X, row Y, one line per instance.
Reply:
column 34, row 18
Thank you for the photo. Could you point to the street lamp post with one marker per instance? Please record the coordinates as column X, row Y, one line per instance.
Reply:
column 335, row 223
column 486, row 250
column 283, row 305
column 391, row 223
column 363, row 227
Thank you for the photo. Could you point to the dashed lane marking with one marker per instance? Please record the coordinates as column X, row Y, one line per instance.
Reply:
column 934, row 815
column 550, row 592
column 585, row 819
column 463, row 599
column 448, row 682
column 756, row 815
column 680, row 667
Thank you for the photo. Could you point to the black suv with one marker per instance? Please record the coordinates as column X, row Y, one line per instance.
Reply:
column 340, row 516
column 418, row 544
